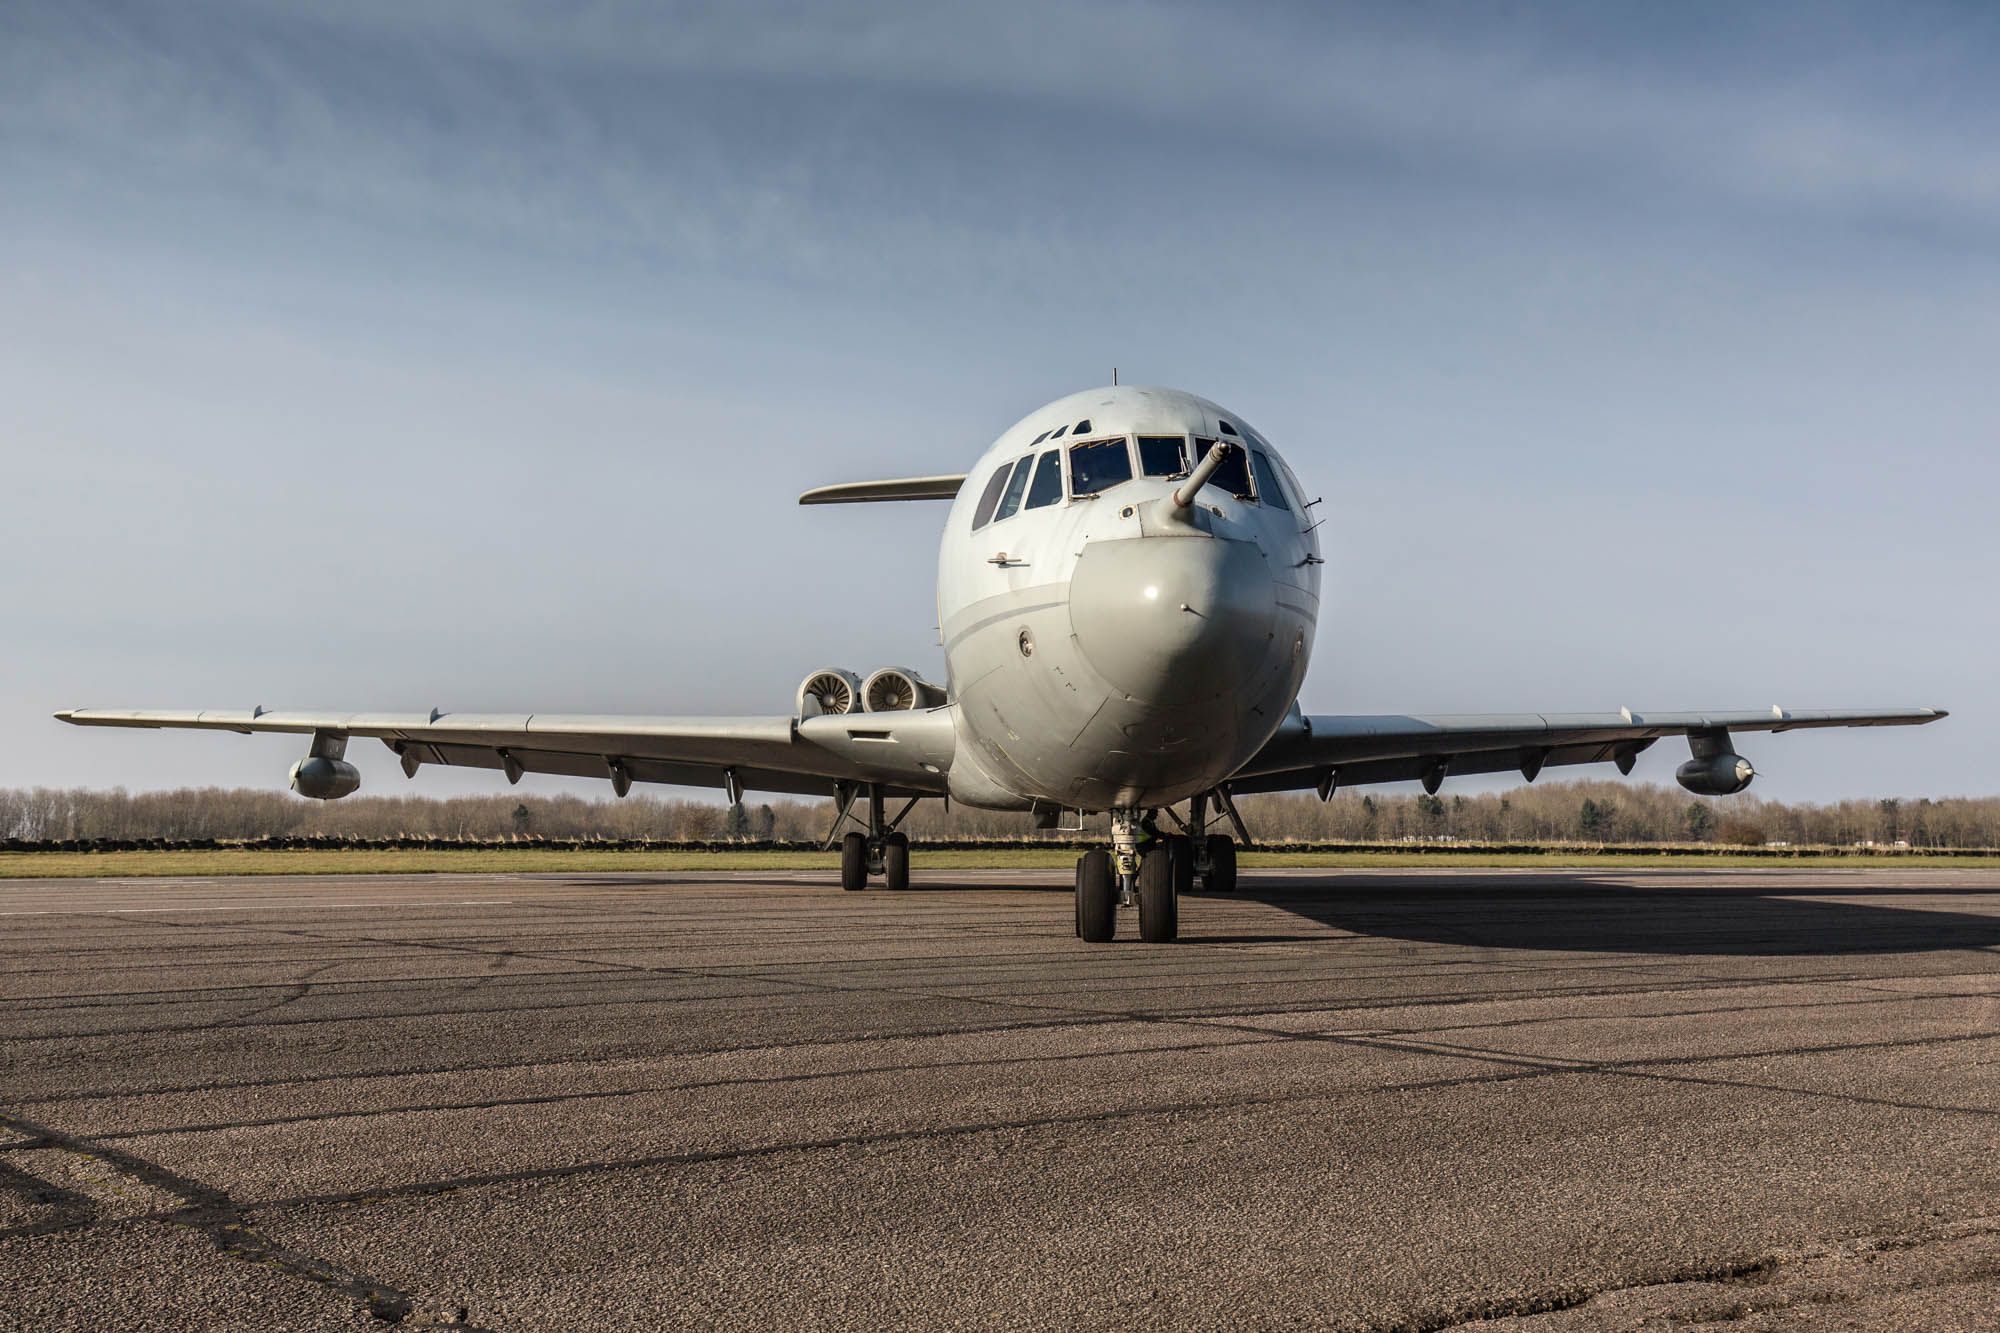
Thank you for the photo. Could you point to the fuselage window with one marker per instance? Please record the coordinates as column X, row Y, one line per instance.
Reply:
column 1162, row 455
column 1267, row 481
column 1098, row 465
column 983, row 515
column 1227, row 429
column 1082, row 427
column 1012, row 499
column 1234, row 474
column 1047, row 487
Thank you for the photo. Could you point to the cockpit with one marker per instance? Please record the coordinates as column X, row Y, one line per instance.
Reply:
column 1085, row 465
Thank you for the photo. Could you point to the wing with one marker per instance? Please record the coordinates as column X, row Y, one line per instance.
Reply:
column 1341, row 751
column 899, row 488
column 909, row 752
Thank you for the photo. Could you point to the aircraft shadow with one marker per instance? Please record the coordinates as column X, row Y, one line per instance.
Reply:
column 1587, row 914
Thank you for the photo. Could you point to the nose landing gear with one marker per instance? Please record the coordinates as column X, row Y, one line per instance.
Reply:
column 1150, row 871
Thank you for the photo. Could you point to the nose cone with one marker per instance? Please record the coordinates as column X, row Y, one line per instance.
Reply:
column 1173, row 620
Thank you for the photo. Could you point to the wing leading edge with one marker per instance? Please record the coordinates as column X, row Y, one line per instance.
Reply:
column 908, row 752
column 1348, row 751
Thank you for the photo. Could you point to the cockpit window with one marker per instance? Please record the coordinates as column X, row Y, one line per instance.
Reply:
column 1057, row 433
column 1163, row 455
column 983, row 513
column 1234, row 474
column 1267, row 480
column 1047, row 487
column 1227, row 429
column 1098, row 465
column 1012, row 499
column 1083, row 426
column 1038, row 439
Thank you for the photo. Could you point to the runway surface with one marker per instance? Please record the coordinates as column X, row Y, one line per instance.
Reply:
column 1387, row 1100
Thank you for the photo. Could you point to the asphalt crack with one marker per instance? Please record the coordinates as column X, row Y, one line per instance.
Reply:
column 211, row 1212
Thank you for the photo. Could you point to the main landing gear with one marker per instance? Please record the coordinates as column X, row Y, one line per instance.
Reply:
column 1148, row 870
column 882, row 850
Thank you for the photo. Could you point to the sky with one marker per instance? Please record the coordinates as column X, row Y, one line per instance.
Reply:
column 387, row 356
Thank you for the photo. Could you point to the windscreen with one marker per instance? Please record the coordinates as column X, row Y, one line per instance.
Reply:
column 1098, row 465
column 1012, row 499
column 1268, row 489
column 983, row 514
column 1047, row 487
column 1234, row 474
column 1162, row 455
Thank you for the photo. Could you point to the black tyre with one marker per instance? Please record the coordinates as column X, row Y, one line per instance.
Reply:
column 896, row 862
column 853, row 862
column 1159, row 914
column 1181, row 847
column 1096, row 898
column 1221, row 877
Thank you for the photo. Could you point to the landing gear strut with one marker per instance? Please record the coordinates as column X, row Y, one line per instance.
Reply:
column 882, row 850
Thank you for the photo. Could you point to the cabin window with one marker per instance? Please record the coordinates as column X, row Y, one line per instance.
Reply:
column 1267, row 480
column 1163, row 455
column 1011, row 501
column 983, row 513
column 1234, row 474
column 1098, row 465
column 1047, row 486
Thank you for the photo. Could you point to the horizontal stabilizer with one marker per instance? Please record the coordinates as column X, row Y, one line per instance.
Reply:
column 897, row 488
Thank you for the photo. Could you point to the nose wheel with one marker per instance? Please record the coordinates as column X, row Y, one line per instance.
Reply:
column 1142, row 871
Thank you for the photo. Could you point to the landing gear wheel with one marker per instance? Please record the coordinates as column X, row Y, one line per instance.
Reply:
column 1096, row 898
column 1159, row 914
column 854, row 862
column 896, row 861
column 1221, row 876
column 1180, row 847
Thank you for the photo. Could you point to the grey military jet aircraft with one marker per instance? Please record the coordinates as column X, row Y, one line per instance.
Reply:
column 1127, row 592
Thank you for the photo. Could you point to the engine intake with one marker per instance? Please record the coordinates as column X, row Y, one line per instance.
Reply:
column 829, row 691
column 898, row 690
column 325, row 779
column 1716, row 775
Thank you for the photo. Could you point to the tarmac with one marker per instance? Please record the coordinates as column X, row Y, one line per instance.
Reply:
column 1531, row 1100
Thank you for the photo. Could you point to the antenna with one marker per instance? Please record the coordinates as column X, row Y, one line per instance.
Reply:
column 1114, row 377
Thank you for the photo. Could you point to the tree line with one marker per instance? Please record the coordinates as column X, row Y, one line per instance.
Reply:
column 1583, row 812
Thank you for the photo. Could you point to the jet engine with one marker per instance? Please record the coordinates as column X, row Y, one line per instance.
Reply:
column 899, row 689
column 325, row 779
column 830, row 690
column 1722, row 774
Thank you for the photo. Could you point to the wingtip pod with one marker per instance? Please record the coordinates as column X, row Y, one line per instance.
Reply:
column 66, row 715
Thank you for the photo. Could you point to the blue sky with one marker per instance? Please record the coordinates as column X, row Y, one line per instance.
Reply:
column 472, row 355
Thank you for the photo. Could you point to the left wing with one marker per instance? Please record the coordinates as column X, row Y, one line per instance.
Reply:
column 908, row 752
column 1346, row 751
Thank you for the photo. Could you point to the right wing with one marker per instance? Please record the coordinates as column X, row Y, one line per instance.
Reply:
column 909, row 752
column 899, row 488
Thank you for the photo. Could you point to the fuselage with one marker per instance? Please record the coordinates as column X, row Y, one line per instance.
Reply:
column 1106, row 647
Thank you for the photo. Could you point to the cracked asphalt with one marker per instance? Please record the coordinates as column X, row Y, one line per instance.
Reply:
column 1539, row 1100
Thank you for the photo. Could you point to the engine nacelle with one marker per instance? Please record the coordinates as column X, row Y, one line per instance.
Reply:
column 899, row 689
column 325, row 779
column 1722, row 774
column 830, row 691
